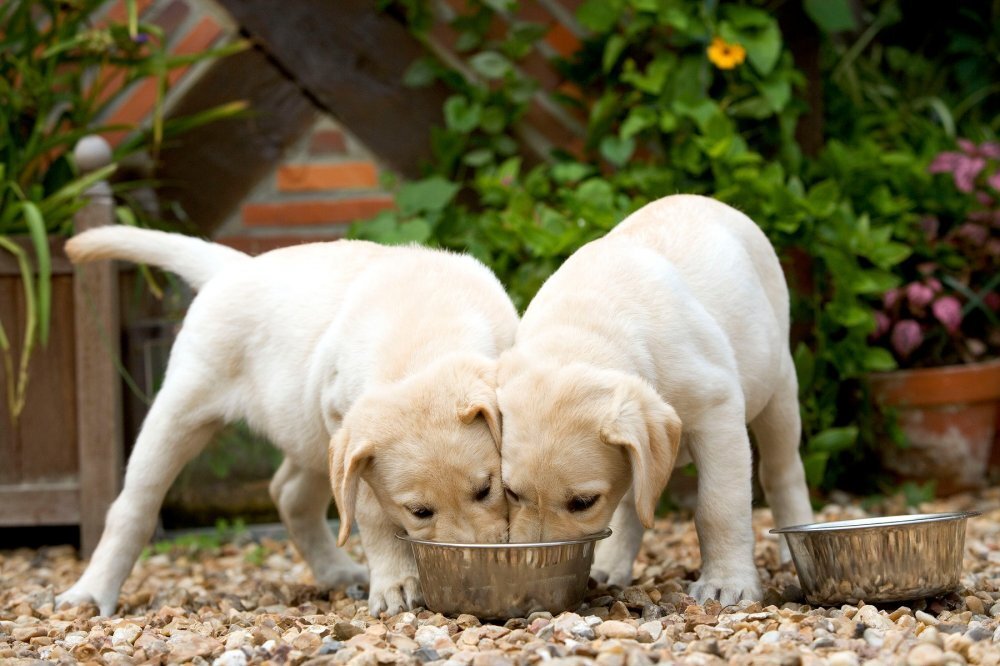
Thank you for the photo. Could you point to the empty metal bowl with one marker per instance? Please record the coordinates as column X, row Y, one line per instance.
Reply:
column 504, row 580
column 894, row 558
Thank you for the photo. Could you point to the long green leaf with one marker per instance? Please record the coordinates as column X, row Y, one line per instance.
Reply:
column 39, row 238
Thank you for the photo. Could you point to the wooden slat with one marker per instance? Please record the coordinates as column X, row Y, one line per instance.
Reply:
column 98, row 385
column 40, row 504
column 47, row 427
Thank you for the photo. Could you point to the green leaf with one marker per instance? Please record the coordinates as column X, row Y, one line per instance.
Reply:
column 461, row 115
column 478, row 157
column 39, row 239
column 599, row 15
column 653, row 79
column 815, row 467
column 831, row 15
column 743, row 17
column 777, row 90
column 617, row 150
column 833, row 440
column 639, row 118
column 877, row 359
column 493, row 120
column 428, row 195
column 612, row 51
column 805, row 367
column 490, row 64
column 763, row 44
column 420, row 73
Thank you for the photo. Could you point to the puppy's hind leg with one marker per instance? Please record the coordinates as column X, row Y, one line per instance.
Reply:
column 302, row 497
column 614, row 556
column 777, row 430
column 721, row 451
column 177, row 427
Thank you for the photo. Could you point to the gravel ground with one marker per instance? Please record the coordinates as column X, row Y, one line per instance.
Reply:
column 253, row 603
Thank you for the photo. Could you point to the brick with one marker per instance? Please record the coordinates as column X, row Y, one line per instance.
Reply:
column 562, row 40
column 119, row 14
column 140, row 102
column 327, row 141
column 293, row 213
column 313, row 177
column 255, row 245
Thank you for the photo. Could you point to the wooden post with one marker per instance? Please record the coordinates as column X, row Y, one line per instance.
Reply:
column 98, row 386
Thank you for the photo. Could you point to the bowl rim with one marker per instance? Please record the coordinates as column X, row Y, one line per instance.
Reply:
column 875, row 523
column 596, row 536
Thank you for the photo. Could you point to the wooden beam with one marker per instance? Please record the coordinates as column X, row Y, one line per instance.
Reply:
column 211, row 169
column 98, row 386
column 350, row 58
column 40, row 504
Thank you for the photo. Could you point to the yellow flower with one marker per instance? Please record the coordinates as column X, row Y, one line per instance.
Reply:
column 725, row 55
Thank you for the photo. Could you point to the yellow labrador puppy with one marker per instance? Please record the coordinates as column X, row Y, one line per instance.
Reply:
column 678, row 316
column 374, row 365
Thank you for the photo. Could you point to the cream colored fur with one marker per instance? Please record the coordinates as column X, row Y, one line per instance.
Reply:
column 655, row 345
column 379, row 359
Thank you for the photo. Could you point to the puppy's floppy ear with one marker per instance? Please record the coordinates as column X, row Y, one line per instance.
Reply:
column 650, row 431
column 480, row 398
column 349, row 456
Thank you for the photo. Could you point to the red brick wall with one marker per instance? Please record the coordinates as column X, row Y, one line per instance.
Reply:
column 325, row 183
column 329, row 180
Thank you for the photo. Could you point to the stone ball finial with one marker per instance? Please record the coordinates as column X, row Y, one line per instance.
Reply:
column 91, row 153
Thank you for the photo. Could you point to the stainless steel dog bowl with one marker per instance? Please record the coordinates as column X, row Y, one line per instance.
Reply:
column 504, row 580
column 894, row 558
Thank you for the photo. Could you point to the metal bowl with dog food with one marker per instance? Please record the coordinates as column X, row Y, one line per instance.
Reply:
column 893, row 558
column 504, row 580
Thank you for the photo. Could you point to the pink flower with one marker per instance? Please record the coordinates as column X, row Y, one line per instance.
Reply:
column 919, row 294
column 974, row 233
column 948, row 311
column 990, row 150
column 934, row 284
column 963, row 168
column 882, row 324
column 890, row 298
column 994, row 180
column 906, row 337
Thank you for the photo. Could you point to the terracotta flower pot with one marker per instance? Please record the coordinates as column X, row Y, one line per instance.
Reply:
column 949, row 418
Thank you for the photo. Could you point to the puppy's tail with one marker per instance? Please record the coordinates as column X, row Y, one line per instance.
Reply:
column 195, row 260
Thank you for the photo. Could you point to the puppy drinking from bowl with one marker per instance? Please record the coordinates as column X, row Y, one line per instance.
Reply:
column 650, row 347
column 374, row 365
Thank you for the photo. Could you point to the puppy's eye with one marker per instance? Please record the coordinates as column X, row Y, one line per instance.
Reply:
column 511, row 495
column 421, row 512
column 578, row 504
column 484, row 492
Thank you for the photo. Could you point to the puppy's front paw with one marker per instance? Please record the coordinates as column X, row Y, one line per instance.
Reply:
column 78, row 596
column 395, row 596
column 728, row 590
column 343, row 575
column 620, row 576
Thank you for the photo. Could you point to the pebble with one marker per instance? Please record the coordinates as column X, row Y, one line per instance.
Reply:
column 231, row 658
column 428, row 635
column 925, row 654
column 217, row 608
column 616, row 629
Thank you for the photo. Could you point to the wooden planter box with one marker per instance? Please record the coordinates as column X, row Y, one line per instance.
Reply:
column 62, row 461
